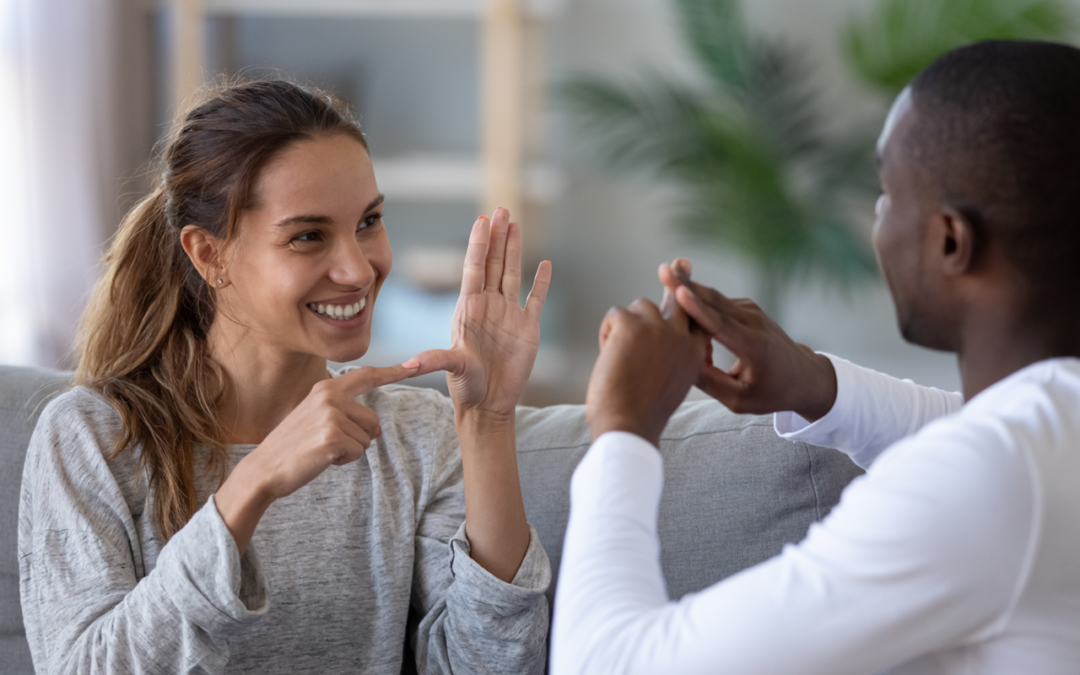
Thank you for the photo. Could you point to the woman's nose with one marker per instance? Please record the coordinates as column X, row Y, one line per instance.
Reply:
column 351, row 267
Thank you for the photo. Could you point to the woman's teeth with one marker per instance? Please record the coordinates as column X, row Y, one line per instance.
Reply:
column 340, row 312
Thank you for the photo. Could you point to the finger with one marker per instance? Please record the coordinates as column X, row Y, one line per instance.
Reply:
column 472, row 279
column 352, row 447
column 721, row 386
column 534, row 304
column 646, row 308
column 450, row 360
column 611, row 317
column 668, row 303
column 511, row 278
column 362, row 380
column 730, row 333
column 677, row 273
column 362, row 416
column 680, row 319
column 360, row 433
column 716, row 299
column 616, row 319
column 668, row 277
column 496, row 252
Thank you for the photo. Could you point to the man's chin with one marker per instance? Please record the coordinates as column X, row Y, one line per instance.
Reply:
column 918, row 334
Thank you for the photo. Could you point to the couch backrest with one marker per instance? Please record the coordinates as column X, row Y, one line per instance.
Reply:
column 23, row 393
column 734, row 491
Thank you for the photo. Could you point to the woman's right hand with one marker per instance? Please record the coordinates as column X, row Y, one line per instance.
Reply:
column 328, row 428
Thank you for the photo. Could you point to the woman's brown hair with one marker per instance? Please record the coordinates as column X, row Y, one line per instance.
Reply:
column 142, row 341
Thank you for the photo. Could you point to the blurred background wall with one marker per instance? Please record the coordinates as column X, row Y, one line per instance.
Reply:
column 91, row 85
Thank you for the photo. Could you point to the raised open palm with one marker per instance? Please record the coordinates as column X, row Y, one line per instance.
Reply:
column 494, row 338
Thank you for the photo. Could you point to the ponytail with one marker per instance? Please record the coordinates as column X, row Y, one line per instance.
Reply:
column 142, row 346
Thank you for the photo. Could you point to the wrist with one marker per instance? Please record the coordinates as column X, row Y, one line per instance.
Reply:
column 479, row 429
column 241, row 502
column 483, row 420
column 605, row 423
column 822, row 387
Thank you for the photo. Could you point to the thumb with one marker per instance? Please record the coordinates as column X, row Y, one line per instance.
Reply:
column 450, row 360
column 362, row 380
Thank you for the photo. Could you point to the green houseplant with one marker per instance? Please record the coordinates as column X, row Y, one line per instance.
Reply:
column 888, row 45
column 744, row 147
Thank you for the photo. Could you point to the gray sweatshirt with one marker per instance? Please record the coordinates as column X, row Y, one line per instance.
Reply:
column 325, row 586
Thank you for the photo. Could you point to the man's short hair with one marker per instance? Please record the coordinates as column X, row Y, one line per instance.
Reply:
column 997, row 135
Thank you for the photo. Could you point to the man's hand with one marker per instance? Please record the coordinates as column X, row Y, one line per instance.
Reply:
column 647, row 363
column 772, row 372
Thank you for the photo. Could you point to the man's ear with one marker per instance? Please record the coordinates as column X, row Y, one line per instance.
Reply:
column 204, row 251
column 954, row 238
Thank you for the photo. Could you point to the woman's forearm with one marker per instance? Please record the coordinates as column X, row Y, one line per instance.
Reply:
column 241, row 502
column 494, row 511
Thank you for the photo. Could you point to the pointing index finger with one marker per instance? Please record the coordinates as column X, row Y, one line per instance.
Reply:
column 362, row 380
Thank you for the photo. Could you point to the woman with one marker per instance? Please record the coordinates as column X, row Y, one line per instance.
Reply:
column 179, row 509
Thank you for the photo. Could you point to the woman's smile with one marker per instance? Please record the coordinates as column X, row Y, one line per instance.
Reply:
column 341, row 312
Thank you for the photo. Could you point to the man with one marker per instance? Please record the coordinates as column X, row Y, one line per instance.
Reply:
column 959, row 551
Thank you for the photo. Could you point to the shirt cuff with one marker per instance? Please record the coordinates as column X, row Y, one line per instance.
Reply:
column 205, row 577
column 793, row 427
column 531, row 581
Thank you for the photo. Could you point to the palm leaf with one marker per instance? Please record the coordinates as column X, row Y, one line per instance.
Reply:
column 715, row 31
column 899, row 38
column 649, row 126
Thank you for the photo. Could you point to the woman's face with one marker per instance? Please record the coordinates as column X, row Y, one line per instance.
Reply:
column 311, row 253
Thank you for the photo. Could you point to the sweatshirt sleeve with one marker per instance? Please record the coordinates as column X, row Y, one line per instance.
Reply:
column 471, row 621
column 872, row 411
column 927, row 551
column 88, row 605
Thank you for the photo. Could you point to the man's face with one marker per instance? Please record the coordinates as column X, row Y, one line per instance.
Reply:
column 899, row 237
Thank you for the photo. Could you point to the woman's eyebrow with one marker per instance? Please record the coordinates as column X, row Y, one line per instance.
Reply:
column 322, row 220
column 375, row 202
column 292, row 220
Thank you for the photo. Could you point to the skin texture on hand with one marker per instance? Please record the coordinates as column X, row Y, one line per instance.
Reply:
column 494, row 339
column 647, row 364
column 494, row 345
column 772, row 373
column 328, row 428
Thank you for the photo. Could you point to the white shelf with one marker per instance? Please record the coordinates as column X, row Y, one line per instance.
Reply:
column 388, row 9
column 455, row 178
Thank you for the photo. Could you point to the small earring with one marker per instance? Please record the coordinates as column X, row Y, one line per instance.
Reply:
column 219, row 282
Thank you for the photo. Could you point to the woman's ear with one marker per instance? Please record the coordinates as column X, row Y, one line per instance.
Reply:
column 204, row 251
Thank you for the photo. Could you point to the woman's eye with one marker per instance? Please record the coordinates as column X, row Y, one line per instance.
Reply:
column 370, row 221
column 308, row 236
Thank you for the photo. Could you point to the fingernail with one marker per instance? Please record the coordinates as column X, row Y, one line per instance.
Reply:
column 411, row 364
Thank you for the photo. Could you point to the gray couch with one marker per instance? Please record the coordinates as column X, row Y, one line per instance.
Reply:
column 734, row 492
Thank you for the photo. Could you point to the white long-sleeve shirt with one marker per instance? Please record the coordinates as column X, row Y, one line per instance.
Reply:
column 958, row 551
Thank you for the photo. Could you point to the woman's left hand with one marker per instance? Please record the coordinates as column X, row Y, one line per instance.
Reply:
column 494, row 338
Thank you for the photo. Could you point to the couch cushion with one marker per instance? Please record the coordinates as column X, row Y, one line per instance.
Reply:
column 23, row 394
column 734, row 491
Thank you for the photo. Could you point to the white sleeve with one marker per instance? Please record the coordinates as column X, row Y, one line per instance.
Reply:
column 872, row 411
column 925, row 553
